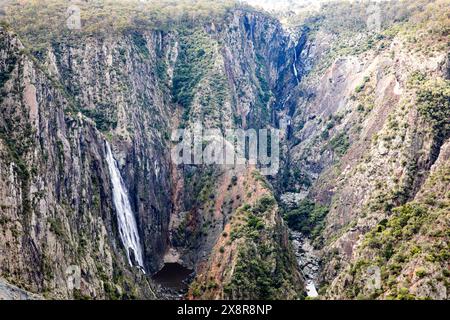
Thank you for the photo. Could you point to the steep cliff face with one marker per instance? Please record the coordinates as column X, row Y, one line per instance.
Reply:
column 120, row 83
column 236, row 88
column 11, row 292
column 253, row 258
column 132, row 89
column 387, row 163
column 371, row 121
column 56, row 199
column 364, row 156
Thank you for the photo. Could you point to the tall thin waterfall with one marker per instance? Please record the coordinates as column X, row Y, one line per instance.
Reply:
column 294, row 65
column 125, row 217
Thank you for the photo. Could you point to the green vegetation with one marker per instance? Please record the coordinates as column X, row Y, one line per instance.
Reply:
column 433, row 98
column 415, row 233
column 262, row 179
column 78, row 295
column 140, row 43
column 56, row 227
column 253, row 274
column 406, row 222
column 339, row 17
column 10, row 63
column 421, row 272
column 212, row 95
column 41, row 22
column 264, row 268
column 340, row 144
column 203, row 184
column 291, row 178
column 308, row 218
column 361, row 87
column 103, row 121
column 194, row 60
column 254, row 218
column 263, row 205
column 264, row 93
column 18, row 137
column 111, row 291
column 195, row 76
column 263, row 271
column 424, row 23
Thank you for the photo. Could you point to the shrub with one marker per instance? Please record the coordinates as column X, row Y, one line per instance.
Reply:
column 194, row 60
column 421, row 273
column 340, row 144
column 434, row 105
column 307, row 218
column 264, row 205
column 56, row 227
column 254, row 223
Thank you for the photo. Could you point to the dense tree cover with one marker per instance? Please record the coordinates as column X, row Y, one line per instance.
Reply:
column 39, row 22
column 308, row 218
column 434, row 104
column 340, row 16
column 195, row 58
column 42, row 21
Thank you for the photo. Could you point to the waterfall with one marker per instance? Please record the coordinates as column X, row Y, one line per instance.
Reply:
column 295, row 66
column 125, row 217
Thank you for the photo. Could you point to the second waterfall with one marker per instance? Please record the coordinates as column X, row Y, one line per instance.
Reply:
column 125, row 217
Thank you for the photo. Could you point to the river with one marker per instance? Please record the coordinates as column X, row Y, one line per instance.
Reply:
column 307, row 261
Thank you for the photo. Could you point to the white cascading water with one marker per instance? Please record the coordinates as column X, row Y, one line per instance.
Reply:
column 295, row 66
column 311, row 289
column 125, row 217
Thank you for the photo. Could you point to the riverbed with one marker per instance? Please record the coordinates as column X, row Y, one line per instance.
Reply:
column 307, row 260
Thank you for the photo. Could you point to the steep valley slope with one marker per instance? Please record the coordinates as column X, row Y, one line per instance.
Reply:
column 365, row 150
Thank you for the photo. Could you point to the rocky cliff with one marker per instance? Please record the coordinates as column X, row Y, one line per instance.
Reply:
column 364, row 116
column 56, row 201
column 63, row 101
column 368, row 146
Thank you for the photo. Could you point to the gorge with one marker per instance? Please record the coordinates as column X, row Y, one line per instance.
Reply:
column 86, row 133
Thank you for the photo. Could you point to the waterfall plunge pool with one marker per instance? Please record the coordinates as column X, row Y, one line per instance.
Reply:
column 173, row 276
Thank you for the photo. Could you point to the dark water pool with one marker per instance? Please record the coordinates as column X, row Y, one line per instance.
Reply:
column 172, row 276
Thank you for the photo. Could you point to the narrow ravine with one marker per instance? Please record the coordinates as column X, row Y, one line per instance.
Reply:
column 307, row 260
column 126, row 220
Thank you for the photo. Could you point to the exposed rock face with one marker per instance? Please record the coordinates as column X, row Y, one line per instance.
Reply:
column 252, row 259
column 56, row 195
column 58, row 111
column 307, row 260
column 372, row 180
column 365, row 134
column 10, row 292
column 365, row 144
column 114, row 82
column 416, row 266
